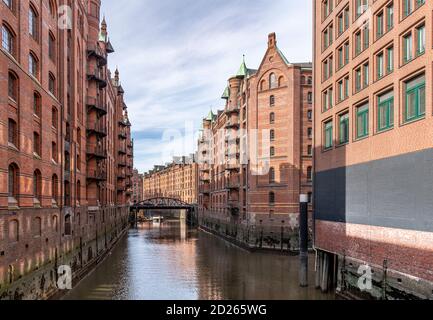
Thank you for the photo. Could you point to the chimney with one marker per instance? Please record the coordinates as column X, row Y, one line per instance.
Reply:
column 272, row 40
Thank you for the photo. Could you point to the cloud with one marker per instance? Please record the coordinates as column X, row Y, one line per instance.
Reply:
column 175, row 57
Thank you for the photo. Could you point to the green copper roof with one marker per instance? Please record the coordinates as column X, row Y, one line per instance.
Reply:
column 243, row 70
column 210, row 116
column 226, row 93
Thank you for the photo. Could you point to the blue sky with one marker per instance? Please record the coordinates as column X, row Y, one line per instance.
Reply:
column 175, row 57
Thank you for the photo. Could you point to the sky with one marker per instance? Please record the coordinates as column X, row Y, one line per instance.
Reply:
column 175, row 57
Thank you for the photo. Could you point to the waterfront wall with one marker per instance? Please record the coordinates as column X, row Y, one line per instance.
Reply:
column 29, row 267
column 278, row 238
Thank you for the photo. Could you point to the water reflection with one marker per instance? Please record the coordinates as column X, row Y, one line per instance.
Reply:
column 170, row 261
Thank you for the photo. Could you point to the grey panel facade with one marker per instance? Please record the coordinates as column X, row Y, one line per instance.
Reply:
column 395, row 192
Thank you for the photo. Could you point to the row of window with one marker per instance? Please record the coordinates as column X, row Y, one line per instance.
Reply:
column 413, row 44
column 9, row 45
column 361, row 6
column 413, row 109
column 14, row 186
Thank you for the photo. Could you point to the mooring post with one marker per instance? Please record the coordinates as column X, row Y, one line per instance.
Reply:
column 303, row 241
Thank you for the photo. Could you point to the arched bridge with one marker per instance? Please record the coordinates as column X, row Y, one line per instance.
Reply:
column 162, row 203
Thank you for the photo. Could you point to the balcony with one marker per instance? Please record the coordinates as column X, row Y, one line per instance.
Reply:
column 121, row 163
column 123, row 123
column 96, row 74
column 97, row 128
column 233, row 204
column 122, row 135
column 204, row 189
column 232, row 110
column 93, row 50
column 93, row 103
column 121, row 176
column 233, row 184
column 96, row 151
column 232, row 167
column 122, row 150
column 232, row 125
column 96, row 175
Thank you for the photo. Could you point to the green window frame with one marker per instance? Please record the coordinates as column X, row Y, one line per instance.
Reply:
column 362, row 123
column 390, row 59
column 407, row 48
column 346, row 87
column 379, row 21
column 358, row 79
column 419, row 3
column 344, row 129
column 385, row 112
column 328, row 134
column 390, row 17
column 420, row 43
column 358, row 43
column 346, row 53
column 415, row 99
column 366, row 69
column 407, row 7
column 380, row 65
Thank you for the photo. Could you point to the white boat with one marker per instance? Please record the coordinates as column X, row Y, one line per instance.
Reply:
column 158, row 220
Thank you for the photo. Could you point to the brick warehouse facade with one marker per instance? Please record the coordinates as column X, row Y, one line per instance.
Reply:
column 254, row 196
column 178, row 180
column 137, row 186
column 374, row 146
column 65, row 146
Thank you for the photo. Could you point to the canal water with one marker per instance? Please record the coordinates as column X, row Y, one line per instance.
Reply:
column 171, row 262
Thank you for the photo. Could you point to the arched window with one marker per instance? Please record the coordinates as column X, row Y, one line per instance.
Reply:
column 54, row 117
column 51, row 46
column 54, row 188
column 52, row 8
column 272, row 151
column 37, row 143
column 37, row 227
column 272, row 100
column 54, row 151
column 78, row 192
column 37, row 104
column 13, row 181
column 13, row 86
column 12, row 132
column 310, row 174
column 280, row 81
column 271, row 175
column 79, row 139
column 33, row 23
column 272, row 135
column 273, row 81
column 8, row 40
column 271, row 198
column 272, row 118
column 9, row 3
column 303, row 80
column 68, row 225
column 55, row 223
column 52, row 83
column 14, row 228
column 78, row 162
column 33, row 65
column 37, row 185
column 310, row 80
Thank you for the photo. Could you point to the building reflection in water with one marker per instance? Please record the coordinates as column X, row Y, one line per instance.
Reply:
column 171, row 261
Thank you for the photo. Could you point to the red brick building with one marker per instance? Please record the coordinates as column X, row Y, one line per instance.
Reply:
column 373, row 146
column 137, row 186
column 65, row 144
column 177, row 180
column 256, row 154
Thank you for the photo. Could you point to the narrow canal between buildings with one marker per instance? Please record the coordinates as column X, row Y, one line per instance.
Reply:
column 170, row 262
